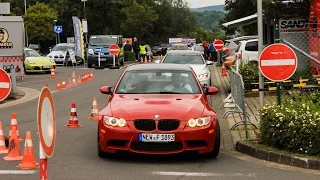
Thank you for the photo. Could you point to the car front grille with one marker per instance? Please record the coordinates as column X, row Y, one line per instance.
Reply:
column 146, row 146
column 168, row 124
column 145, row 124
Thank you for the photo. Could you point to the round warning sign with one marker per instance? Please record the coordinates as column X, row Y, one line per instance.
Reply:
column 5, row 85
column 46, row 121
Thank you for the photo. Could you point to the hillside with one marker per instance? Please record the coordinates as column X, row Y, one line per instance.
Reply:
column 219, row 8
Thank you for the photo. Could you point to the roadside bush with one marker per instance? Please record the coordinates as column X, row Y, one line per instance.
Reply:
column 249, row 72
column 293, row 126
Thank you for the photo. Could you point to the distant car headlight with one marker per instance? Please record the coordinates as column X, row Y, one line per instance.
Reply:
column 115, row 122
column 90, row 51
column 30, row 61
column 199, row 122
column 52, row 61
column 203, row 76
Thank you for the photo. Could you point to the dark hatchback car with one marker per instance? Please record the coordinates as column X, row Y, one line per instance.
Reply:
column 160, row 49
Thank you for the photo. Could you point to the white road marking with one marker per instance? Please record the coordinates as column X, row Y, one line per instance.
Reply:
column 198, row 174
column 18, row 171
column 278, row 62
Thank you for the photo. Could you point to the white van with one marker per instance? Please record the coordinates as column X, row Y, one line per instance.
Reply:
column 247, row 51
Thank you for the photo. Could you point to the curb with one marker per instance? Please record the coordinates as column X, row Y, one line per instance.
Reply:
column 30, row 94
column 281, row 158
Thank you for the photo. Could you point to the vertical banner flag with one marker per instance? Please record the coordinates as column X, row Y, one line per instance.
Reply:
column 78, row 37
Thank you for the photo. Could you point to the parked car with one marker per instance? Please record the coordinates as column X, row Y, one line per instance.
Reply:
column 34, row 62
column 166, row 111
column 179, row 46
column 198, row 47
column 192, row 58
column 59, row 53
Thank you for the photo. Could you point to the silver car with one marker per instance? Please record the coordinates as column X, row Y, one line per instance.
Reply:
column 194, row 58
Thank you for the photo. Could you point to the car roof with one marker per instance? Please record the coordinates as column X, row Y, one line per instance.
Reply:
column 160, row 66
column 250, row 40
column 183, row 52
column 27, row 49
column 65, row 44
column 179, row 44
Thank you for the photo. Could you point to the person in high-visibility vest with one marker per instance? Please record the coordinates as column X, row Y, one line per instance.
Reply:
column 143, row 50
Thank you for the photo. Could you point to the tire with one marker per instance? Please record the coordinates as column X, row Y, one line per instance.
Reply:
column 215, row 152
column 101, row 154
column 89, row 65
column 122, row 62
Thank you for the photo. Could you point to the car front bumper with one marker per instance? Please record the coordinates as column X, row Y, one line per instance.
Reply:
column 38, row 68
column 113, row 139
column 104, row 60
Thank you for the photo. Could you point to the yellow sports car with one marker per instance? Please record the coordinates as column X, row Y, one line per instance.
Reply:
column 34, row 62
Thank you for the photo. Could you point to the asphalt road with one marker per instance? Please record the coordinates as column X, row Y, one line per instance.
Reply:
column 75, row 156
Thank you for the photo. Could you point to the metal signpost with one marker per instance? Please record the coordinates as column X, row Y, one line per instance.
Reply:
column 47, row 129
column 114, row 50
column 98, row 50
column 218, row 45
column 58, row 30
column 278, row 62
column 5, row 85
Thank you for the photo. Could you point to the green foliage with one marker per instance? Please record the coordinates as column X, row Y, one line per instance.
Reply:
column 129, row 56
column 209, row 19
column 138, row 20
column 249, row 72
column 39, row 21
column 294, row 125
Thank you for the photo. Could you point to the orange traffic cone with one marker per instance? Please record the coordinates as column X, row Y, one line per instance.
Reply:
column 63, row 84
column 70, row 83
column 149, row 59
column 3, row 148
column 94, row 110
column 74, row 81
column 14, row 123
column 141, row 59
column 79, row 80
column 91, row 75
column 47, row 85
column 73, row 121
column 58, row 86
column 14, row 149
column 28, row 160
column 145, row 59
column 223, row 71
column 53, row 73
column 74, row 75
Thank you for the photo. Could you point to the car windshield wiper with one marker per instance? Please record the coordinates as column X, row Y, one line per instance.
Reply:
column 162, row 92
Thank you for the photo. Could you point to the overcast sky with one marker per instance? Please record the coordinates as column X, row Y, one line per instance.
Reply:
column 202, row 3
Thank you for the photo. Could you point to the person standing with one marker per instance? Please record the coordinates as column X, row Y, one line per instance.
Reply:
column 136, row 48
column 205, row 50
column 213, row 52
column 127, row 48
column 143, row 51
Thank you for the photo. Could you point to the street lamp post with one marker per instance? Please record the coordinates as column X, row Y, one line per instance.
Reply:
column 55, row 23
column 25, row 11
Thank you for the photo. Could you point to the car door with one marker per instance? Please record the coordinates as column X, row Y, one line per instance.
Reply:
column 250, row 51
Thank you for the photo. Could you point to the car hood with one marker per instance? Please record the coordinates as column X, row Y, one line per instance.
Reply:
column 57, row 53
column 40, row 60
column 144, row 106
column 199, row 68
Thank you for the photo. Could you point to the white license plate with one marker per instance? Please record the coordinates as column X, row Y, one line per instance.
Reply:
column 46, row 67
column 156, row 137
column 103, row 59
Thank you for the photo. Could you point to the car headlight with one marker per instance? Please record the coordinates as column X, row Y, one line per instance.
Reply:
column 115, row 122
column 203, row 76
column 199, row 122
column 90, row 51
column 30, row 61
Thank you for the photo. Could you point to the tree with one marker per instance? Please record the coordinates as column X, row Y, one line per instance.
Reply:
column 139, row 19
column 39, row 21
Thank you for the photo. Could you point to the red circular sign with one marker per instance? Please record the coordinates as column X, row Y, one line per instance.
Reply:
column 5, row 85
column 218, row 44
column 114, row 49
column 46, row 122
column 278, row 62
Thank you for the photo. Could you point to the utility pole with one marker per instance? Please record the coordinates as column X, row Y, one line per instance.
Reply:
column 260, row 47
column 25, row 11
column 55, row 24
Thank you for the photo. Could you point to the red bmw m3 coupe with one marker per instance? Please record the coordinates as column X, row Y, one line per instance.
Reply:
column 158, row 109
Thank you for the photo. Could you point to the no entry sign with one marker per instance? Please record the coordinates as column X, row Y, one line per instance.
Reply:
column 114, row 49
column 278, row 62
column 218, row 44
column 5, row 85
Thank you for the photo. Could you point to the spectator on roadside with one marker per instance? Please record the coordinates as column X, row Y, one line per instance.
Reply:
column 136, row 48
column 205, row 50
column 213, row 52
column 143, row 50
column 127, row 48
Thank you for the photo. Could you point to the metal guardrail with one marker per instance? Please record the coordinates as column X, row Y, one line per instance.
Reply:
column 236, row 100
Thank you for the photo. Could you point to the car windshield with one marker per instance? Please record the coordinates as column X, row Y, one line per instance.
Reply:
column 31, row 53
column 63, row 48
column 158, row 82
column 179, row 47
column 103, row 40
column 199, row 48
column 190, row 58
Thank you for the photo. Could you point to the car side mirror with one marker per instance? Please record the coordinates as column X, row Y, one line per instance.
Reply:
column 106, row 90
column 157, row 61
column 211, row 90
column 209, row 63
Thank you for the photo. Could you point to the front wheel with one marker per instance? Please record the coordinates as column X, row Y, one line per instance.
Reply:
column 214, row 153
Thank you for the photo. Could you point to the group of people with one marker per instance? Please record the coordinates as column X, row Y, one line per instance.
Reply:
column 209, row 51
column 140, row 49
